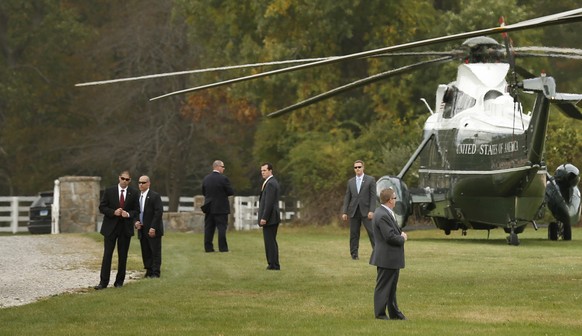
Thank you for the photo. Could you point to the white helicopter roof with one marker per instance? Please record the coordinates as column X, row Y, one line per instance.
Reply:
column 492, row 110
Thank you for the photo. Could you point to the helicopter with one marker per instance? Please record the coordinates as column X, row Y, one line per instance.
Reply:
column 481, row 156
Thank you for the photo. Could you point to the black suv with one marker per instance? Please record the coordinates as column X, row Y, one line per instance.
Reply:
column 40, row 213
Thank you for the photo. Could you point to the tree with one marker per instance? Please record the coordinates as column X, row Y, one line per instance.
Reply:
column 37, row 67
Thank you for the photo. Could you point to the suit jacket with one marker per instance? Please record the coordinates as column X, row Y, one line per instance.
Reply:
column 269, row 203
column 152, row 214
column 110, row 202
column 389, row 244
column 216, row 188
column 365, row 199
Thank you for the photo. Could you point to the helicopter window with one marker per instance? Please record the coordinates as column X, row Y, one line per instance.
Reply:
column 488, row 99
column 492, row 94
column 456, row 101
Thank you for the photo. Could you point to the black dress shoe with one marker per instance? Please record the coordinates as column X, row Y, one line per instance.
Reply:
column 273, row 268
column 355, row 257
column 401, row 317
column 118, row 285
column 99, row 287
column 384, row 317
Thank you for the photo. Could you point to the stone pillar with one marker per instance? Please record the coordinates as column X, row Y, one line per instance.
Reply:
column 79, row 203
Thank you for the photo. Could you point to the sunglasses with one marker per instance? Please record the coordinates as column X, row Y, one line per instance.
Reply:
column 142, row 182
column 358, row 167
column 125, row 178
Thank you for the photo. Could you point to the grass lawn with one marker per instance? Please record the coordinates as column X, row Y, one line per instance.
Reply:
column 452, row 285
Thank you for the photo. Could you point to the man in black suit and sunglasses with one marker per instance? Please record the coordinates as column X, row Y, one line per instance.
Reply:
column 120, row 208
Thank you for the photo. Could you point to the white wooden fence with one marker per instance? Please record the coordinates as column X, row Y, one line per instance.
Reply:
column 14, row 213
column 186, row 204
column 246, row 208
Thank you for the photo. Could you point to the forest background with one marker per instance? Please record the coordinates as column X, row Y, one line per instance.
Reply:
column 50, row 128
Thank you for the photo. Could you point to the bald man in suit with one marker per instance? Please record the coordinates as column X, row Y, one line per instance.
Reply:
column 150, row 227
column 216, row 188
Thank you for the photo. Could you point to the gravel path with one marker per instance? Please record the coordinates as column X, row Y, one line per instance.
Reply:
column 38, row 266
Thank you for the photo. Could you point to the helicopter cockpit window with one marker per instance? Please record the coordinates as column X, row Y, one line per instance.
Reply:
column 456, row 101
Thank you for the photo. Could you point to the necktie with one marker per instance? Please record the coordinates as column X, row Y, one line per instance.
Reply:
column 358, row 183
column 121, row 199
column 141, row 208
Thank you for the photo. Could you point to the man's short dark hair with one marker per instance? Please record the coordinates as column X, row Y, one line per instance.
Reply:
column 386, row 195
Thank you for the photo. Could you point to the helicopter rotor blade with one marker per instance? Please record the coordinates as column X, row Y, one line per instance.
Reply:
column 567, row 56
column 359, row 83
column 418, row 53
column 558, row 18
column 570, row 110
column 552, row 50
column 188, row 72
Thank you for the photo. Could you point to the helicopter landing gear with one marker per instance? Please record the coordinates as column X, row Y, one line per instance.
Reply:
column 512, row 239
column 559, row 229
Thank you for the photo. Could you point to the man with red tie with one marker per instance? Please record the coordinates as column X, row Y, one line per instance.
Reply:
column 120, row 208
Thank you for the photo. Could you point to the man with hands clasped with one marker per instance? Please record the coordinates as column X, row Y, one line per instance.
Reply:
column 119, row 206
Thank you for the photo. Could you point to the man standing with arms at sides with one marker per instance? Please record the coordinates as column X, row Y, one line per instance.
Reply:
column 269, row 217
column 120, row 208
column 216, row 188
column 388, row 257
column 359, row 205
column 150, row 227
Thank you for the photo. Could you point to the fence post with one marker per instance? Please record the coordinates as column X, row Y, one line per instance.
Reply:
column 55, row 228
column 14, row 214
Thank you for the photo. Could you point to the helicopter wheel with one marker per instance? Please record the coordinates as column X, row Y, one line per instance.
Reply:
column 566, row 231
column 553, row 231
column 512, row 239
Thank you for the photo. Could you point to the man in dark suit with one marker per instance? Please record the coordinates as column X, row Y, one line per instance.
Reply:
column 150, row 227
column 359, row 205
column 120, row 207
column 216, row 188
column 269, row 216
column 388, row 257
